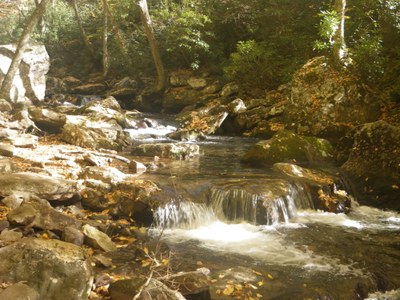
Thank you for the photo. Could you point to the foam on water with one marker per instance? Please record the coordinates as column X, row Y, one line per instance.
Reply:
column 263, row 243
column 389, row 295
column 150, row 133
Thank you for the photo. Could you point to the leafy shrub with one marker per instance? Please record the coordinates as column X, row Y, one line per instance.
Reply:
column 182, row 33
column 255, row 65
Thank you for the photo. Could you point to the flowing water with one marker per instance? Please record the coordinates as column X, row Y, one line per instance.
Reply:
column 212, row 218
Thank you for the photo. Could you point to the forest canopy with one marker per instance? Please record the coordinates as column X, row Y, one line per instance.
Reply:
column 259, row 42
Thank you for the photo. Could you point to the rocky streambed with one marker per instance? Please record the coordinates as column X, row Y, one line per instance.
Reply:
column 100, row 202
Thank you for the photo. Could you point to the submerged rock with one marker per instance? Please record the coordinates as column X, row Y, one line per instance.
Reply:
column 55, row 269
column 192, row 285
column 288, row 146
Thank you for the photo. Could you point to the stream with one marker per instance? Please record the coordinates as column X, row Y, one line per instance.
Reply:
column 210, row 220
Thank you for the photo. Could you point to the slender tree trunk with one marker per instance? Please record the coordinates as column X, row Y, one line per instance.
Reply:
column 148, row 27
column 84, row 37
column 339, row 46
column 41, row 25
column 118, row 33
column 105, row 60
column 21, row 47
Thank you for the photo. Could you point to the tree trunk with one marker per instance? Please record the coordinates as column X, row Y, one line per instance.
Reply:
column 148, row 27
column 105, row 60
column 21, row 47
column 41, row 25
column 118, row 33
column 84, row 37
column 339, row 46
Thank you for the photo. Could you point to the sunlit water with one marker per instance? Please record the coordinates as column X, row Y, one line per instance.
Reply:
column 311, row 254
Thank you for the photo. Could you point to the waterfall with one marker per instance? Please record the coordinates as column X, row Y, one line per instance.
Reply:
column 267, row 207
column 183, row 214
column 261, row 204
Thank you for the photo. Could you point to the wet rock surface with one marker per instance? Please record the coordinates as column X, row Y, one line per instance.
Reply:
column 287, row 146
column 373, row 164
column 97, row 200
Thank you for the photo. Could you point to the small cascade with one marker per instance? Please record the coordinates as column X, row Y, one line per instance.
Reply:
column 234, row 204
column 269, row 203
column 183, row 214
column 260, row 205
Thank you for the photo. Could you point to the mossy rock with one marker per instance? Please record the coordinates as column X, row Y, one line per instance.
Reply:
column 287, row 146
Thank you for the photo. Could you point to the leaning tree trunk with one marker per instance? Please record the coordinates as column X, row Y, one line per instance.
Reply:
column 105, row 60
column 339, row 46
column 115, row 28
column 84, row 37
column 21, row 47
column 148, row 27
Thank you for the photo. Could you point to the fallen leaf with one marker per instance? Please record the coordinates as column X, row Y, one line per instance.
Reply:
column 270, row 276
column 257, row 273
column 228, row 290
column 260, row 283
column 238, row 287
column 146, row 263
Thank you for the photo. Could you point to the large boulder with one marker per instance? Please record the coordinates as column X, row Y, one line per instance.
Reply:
column 92, row 132
column 167, row 150
column 373, row 165
column 55, row 269
column 30, row 80
column 326, row 102
column 41, row 186
column 200, row 122
column 176, row 98
column 288, row 146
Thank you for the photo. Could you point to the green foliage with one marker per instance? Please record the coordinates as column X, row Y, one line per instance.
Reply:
column 373, row 32
column 327, row 27
column 368, row 57
column 181, row 32
column 12, row 23
column 253, row 65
